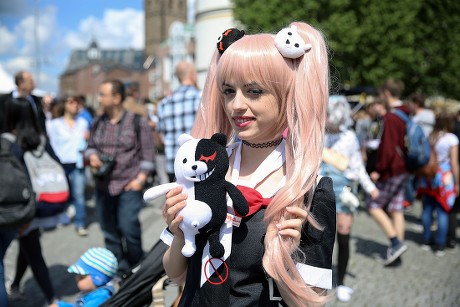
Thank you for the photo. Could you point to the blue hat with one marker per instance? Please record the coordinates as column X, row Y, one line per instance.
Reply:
column 99, row 263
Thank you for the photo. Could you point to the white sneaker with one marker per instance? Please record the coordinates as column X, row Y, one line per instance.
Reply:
column 344, row 293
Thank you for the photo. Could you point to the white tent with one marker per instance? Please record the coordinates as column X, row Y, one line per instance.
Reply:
column 6, row 81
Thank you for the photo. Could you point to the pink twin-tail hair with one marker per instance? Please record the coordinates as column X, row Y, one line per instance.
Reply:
column 302, row 88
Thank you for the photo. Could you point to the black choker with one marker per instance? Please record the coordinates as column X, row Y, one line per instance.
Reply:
column 263, row 145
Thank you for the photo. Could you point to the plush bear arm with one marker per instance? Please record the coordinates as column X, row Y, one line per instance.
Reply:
column 239, row 202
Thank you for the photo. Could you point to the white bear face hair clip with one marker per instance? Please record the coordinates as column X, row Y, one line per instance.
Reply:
column 290, row 44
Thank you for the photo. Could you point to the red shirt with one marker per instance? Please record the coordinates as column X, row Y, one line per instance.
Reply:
column 390, row 162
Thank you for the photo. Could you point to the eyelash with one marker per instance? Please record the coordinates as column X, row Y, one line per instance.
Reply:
column 256, row 92
column 227, row 91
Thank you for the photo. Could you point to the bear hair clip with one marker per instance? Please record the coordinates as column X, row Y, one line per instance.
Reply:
column 227, row 38
column 290, row 44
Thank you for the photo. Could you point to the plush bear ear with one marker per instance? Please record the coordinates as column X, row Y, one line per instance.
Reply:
column 184, row 138
column 219, row 138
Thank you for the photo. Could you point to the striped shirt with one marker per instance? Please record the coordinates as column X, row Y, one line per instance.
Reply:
column 134, row 153
column 176, row 115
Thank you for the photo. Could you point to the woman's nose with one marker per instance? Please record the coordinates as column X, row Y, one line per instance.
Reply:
column 239, row 102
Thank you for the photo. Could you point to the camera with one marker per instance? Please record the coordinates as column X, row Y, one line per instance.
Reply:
column 108, row 163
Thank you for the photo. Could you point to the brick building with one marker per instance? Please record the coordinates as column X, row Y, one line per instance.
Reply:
column 89, row 67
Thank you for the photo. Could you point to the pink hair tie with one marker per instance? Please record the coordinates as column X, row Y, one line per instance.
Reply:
column 290, row 44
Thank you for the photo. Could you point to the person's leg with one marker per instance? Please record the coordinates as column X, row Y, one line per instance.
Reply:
column 344, row 222
column 161, row 168
column 427, row 218
column 106, row 207
column 396, row 204
column 398, row 224
column 77, row 181
column 376, row 207
column 21, row 266
column 33, row 251
column 392, row 193
column 383, row 221
column 6, row 236
column 451, row 237
column 130, row 204
column 443, row 224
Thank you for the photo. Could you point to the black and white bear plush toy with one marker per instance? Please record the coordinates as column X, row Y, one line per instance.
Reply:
column 200, row 167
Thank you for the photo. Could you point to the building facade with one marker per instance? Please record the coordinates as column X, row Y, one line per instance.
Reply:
column 88, row 68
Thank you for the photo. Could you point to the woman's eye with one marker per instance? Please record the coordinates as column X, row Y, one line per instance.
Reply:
column 228, row 91
column 256, row 92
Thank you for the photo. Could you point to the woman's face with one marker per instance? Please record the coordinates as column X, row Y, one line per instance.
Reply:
column 252, row 110
column 71, row 106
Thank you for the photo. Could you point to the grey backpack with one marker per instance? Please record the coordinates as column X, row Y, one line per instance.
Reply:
column 17, row 201
column 49, row 182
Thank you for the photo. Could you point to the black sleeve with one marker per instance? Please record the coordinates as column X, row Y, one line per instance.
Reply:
column 318, row 244
column 49, row 149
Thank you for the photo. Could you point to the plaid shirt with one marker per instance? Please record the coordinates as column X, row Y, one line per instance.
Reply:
column 134, row 153
column 176, row 115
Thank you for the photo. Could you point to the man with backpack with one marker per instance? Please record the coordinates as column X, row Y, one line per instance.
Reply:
column 391, row 173
column 121, row 154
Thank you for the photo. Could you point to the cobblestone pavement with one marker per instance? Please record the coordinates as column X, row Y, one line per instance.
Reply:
column 422, row 279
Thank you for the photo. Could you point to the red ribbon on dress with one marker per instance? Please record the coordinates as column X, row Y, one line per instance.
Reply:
column 254, row 198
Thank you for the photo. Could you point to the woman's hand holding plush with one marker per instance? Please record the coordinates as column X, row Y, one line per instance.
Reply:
column 175, row 201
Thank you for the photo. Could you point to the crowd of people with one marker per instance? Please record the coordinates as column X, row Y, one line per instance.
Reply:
column 293, row 149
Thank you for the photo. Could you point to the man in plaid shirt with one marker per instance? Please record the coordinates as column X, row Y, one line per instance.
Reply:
column 176, row 112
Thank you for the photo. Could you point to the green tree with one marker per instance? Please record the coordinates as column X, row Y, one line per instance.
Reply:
column 417, row 41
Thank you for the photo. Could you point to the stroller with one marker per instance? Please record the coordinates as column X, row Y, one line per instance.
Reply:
column 147, row 277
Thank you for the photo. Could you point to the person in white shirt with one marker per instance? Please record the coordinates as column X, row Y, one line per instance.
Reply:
column 68, row 134
column 439, row 193
column 342, row 161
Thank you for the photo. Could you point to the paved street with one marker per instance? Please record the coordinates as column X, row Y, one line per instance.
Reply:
column 421, row 280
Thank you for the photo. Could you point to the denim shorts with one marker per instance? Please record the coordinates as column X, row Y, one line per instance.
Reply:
column 339, row 182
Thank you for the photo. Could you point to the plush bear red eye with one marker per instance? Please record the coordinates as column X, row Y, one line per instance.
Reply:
column 207, row 158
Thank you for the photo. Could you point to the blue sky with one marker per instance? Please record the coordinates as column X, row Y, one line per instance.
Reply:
column 61, row 26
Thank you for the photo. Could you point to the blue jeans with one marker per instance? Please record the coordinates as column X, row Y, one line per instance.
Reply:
column 77, row 181
column 429, row 206
column 119, row 222
column 6, row 236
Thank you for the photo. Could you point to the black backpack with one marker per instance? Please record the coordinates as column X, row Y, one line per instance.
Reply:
column 17, row 200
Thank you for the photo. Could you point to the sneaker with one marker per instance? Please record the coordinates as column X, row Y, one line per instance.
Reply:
column 425, row 247
column 82, row 232
column 439, row 251
column 344, row 293
column 450, row 244
column 13, row 292
column 394, row 253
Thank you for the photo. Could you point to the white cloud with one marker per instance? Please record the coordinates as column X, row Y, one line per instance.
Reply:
column 36, row 32
column 117, row 29
column 17, row 63
column 8, row 41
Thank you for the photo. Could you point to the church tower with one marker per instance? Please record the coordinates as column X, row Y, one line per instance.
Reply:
column 159, row 15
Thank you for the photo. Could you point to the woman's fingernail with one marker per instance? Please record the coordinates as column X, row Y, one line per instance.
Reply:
column 278, row 226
